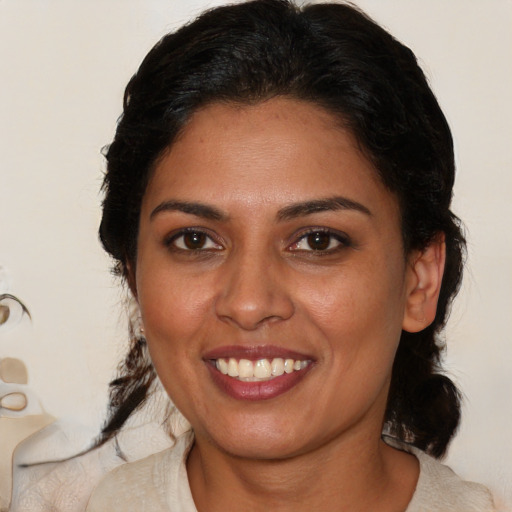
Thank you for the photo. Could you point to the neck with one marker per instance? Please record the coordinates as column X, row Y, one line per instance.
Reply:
column 355, row 473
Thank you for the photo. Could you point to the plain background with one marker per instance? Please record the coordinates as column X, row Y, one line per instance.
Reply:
column 64, row 64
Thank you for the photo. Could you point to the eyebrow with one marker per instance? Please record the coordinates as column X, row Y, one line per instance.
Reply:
column 321, row 205
column 287, row 213
column 198, row 209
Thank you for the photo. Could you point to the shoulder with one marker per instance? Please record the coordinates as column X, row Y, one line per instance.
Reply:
column 439, row 488
column 155, row 483
column 134, row 485
column 439, row 485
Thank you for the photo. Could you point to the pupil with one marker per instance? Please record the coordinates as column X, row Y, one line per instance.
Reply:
column 319, row 241
column 194, row 240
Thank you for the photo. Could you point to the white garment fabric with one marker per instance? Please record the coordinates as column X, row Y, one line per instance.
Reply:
column 66, row 486
column 439, row 489
column 159, row 483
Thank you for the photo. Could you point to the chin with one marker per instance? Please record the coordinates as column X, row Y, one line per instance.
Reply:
column 258, row 438
column 262, row 448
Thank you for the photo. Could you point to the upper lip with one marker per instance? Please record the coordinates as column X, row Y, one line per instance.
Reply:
column 255, row 352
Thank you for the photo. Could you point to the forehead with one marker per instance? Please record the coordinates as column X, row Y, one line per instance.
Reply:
column 278, row 151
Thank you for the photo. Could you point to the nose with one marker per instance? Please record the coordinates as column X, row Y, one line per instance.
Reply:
column 253, row 293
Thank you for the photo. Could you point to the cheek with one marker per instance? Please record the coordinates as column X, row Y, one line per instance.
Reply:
column 359, row 309
column 174, row 309
column 174, row 312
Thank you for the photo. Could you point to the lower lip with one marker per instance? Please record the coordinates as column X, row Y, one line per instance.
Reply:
column 253, row 391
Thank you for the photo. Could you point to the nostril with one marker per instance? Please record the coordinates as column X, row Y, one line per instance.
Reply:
column 253, row 316
column 254, row 293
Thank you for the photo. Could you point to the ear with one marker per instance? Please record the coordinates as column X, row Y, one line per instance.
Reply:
column 424, row 278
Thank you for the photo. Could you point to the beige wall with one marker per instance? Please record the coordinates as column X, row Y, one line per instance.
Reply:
column 64, row 66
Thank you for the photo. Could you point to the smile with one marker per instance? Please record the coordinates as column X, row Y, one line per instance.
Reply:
column 260, row 370
column 257, row 372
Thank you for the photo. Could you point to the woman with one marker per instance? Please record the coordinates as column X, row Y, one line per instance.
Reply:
column 278, row 200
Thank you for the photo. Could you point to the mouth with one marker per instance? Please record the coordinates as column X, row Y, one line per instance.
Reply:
column 260, row 370
column 257, row 373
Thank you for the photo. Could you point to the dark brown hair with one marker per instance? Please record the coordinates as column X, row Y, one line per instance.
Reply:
column 334, row 56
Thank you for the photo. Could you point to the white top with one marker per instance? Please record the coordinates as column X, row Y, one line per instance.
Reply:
column 159, row 483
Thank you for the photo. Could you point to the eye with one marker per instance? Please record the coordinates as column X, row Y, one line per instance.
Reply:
column 320, row 241
column 192, row 240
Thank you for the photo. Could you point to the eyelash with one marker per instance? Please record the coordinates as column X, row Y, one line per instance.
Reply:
column 342, row 241
column 339, row 238
column 171, row 241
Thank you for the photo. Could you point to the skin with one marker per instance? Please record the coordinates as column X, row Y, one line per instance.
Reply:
column 255, row 280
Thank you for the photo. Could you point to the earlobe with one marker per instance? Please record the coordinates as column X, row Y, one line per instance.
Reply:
column 425, row 275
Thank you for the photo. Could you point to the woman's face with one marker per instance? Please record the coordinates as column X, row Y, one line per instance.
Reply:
column 269, row 248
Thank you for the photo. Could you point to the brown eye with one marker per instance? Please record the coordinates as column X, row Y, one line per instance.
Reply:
column 194, row 240
column 319, row 241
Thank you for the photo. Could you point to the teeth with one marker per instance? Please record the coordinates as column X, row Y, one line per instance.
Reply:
column 260, row 370
column 233, row 368
column 288, row 365
column 222, row 366
column 277, row 367
column 245, row 369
